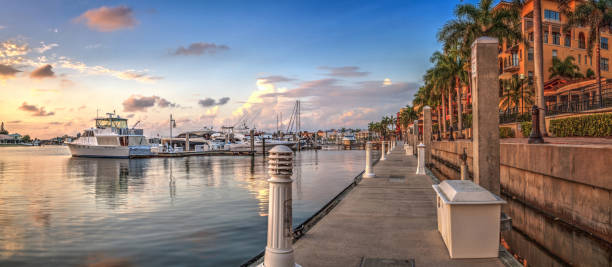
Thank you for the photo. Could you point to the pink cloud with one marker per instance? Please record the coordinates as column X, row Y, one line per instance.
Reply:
column 108, row 19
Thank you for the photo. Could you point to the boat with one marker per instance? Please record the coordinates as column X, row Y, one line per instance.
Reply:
column 110, row 138
column 348, row 139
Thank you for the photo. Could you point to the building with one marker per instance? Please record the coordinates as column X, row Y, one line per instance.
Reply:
column 560, row 42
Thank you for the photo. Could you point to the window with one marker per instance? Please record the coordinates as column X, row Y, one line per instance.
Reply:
column 554, row 53
column 568, row 40
column 530, row 77
column 515, row 59
column 530, row 54
column 556, row 38
column 604, row 64
column 531, row 36
column 604, row 43
column 579, row 58
column 551, row 15
column 545, row 37
column 581, row 41
column 591, row 60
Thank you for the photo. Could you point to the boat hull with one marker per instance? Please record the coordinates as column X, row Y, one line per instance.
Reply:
column 99, row 151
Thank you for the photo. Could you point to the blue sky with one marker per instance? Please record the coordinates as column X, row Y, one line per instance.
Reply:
column 333, row 55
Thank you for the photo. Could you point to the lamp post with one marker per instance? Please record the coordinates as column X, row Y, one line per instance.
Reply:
column 522, row 79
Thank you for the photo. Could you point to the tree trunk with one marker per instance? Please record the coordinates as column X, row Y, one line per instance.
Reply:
column 459, row 110
column 538, row 61
column 443, row 113
column 450, row 108
column 598, row 66
column 439, row 121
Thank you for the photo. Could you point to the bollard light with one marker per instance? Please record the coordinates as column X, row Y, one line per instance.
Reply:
column 369, row 173
column 279, row 248
column 421, row 166
column 382, row 150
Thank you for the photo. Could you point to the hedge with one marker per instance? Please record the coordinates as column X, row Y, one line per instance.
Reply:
column 526, row 128
column 505, row 132
column 598, row 125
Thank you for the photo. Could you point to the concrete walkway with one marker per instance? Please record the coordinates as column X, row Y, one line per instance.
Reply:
column 392, row 216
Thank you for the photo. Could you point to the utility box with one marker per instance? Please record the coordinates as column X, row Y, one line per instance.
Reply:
column 468, row 219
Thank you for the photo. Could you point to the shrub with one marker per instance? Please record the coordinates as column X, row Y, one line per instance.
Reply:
column 598, row 125
column 526, row 128
column 505, row 132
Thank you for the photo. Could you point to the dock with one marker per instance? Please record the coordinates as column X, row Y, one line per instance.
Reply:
column 391, row 216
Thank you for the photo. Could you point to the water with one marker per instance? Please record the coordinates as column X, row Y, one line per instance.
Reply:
column 56, row 210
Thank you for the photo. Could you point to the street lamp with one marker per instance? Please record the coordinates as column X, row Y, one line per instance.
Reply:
column 522, row 78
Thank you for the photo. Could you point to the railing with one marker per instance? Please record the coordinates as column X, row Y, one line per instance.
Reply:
column 581, row 104
column 515, row 115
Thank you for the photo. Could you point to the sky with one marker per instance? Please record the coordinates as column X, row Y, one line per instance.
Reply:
column 211, row 63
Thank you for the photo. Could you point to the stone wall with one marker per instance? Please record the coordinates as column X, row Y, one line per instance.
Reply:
column 559, row 198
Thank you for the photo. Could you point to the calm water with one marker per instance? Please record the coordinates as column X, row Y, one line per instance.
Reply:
column 56, row 210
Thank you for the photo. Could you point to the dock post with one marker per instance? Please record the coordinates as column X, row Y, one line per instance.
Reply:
column 187, row 142
column 263, row 144
column 252, row 142
column 427, row 124
column 368, row 169
column 388, row 147
column 279, row 248
column 382, row 150
column 485, row 100
column 421, row 167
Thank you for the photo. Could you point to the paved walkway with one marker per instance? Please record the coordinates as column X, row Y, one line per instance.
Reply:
column 392, row 216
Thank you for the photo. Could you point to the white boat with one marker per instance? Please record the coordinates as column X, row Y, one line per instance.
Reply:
column 111, row 138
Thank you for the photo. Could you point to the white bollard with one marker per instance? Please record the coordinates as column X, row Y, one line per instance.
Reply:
column 279, row 249
column 368, row 169
column 421, row 166
column 382, row 150
column 388, row 147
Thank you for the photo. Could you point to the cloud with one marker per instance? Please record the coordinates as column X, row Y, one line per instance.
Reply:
column 2, row 27
column 346, row 72
column 326, row 103
column 141, row 103
column 45, row 47
column 136, row 75
column 45, row 71
column 275, row 79
column 108, row 19
column 196, row 49
column 209, row 102
column 18, row 121
column 387, row 82
column 12, row 49
column 46, row 90
column 7, row 71
column 35, row 111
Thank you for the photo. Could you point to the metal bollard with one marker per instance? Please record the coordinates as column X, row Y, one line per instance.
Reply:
column 382, row 150
column 421, row 166
column 279, row 249
column 368, row 169
column 535, row 137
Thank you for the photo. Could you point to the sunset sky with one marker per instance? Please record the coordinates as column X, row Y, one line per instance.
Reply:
column 211, row 62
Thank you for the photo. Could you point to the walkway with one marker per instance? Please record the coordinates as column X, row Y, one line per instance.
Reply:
column 392, row 216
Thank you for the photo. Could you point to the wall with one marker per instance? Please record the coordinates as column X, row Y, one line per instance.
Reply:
column 559, row 198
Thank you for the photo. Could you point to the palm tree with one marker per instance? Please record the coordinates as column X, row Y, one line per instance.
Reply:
column 471, row 23
column 565, row 68
column 597, row 16
column 515, row 93
column 407, row 115
column 538, row 60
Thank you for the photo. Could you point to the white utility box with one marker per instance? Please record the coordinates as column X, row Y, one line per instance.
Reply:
column 468, row 219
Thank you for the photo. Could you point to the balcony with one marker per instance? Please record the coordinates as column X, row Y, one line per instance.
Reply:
column 512, row 68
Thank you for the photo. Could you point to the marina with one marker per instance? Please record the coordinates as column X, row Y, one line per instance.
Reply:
column 150, row 212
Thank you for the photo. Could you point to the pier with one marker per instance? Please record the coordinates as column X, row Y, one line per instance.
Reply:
column 391, row 216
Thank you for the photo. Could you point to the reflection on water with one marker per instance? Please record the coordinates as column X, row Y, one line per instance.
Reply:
column 193, row 211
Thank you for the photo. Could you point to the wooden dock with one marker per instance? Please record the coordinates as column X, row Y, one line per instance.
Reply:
column 391, row 216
